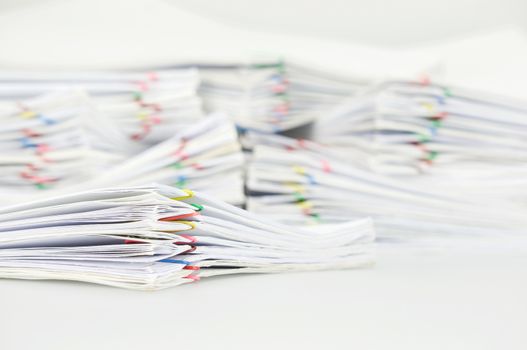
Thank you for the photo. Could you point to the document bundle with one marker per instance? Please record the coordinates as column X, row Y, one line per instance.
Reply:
column 145, row 106
column 409, row 128
column 206, row 156
column 95, row 166
column 301, row 182
column 154, row 237
column 65, row 131
column 46, row 143
column 272, row 96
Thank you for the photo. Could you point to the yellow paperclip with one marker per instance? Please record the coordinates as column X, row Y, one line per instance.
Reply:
column 142, row 115
column 189, row 193
column 296, row 187
column 428, row 106
column 305, row 205
column 28, row 114
column 300, row 170
column 190, row 223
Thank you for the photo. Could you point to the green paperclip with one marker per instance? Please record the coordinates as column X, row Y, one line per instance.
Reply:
column 316, row 217
column 198, row 207
column 284, row 96
column 432, row 155
column 436, row 123
column 299, row 197
column 423, row 138
column 41, row 186
column 138, row 96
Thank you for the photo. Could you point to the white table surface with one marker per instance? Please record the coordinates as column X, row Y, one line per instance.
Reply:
column 404, row 302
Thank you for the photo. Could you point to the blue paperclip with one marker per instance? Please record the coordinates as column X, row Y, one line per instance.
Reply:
column 27, row 143
column 181, row 180
column 175, row 261
column 46, row 120
column 433, row 131
column 276, row 77
column 311, row 179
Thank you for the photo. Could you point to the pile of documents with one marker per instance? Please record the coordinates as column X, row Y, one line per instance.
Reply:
column 408, row 128
column 418, row 159
column 67, row 131
column 206, row 157
column 145, row 106
column 272, row 96
column 46, row 144
column 301, row 182
column 153, row 237
column 95, row 165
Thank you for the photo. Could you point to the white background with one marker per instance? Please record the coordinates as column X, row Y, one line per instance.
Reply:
column 408, row 301
column 377, row 22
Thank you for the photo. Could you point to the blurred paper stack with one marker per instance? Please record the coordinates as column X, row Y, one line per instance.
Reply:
column 46, row 144
column 300, row 182
column 146, row 107
column 206, row 156
column 272, row 97
column 411, row 128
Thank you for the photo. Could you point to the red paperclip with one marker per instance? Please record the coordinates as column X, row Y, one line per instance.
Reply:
column 142, row 85
column 192, row 277
column 325, row 166
column 192, row 239
column 42, row 148
column 30, row 133
column 179, row 150
column 440, row 116
column 155, row 119
column 179, row 217
column 425, row 79
column 186, row 251
column 152, row 76
column 131, row 241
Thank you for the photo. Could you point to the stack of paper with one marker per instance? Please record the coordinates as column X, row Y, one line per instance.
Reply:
column 158, row 236
column 145, row 106
column 206, row 157
column 45, row 143
column 300, row 182
column 272, row 97
column 411, row 128
column 68, row 140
